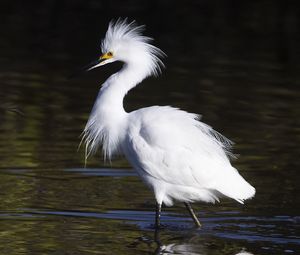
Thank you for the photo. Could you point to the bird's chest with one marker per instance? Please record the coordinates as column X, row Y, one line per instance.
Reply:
column 111, row 139
column 106, row 130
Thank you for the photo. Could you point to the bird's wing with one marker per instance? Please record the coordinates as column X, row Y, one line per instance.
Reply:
column 172, row 145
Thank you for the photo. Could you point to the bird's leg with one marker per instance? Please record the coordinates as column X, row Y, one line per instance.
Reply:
column 192, row 213
column 157, row 239
column 157, row 216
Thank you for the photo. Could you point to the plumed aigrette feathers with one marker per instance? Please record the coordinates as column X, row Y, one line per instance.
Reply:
column 174, row 153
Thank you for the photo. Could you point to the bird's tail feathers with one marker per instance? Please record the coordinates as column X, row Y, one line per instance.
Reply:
column 236, row 187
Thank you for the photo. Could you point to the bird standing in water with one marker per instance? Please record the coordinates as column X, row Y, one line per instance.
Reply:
column 176, row 155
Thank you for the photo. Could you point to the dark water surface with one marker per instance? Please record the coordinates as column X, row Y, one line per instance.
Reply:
column 242, row 75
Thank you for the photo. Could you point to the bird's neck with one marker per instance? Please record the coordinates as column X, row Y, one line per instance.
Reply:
column 115, row 88
column 107, row 122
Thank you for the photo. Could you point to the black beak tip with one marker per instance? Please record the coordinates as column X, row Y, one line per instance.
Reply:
column 84, row 69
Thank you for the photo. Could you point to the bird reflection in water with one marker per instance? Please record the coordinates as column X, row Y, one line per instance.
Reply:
column 157, row 247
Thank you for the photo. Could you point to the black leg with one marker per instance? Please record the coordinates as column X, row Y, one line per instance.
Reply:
column 191, row 211
column 157, row 216
column 157, row 240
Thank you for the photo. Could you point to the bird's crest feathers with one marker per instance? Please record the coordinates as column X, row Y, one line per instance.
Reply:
column 123, row 32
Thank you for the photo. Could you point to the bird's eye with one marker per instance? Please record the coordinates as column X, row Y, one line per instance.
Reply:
column 109, row 54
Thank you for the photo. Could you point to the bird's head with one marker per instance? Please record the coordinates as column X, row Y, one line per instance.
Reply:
column 124, row 42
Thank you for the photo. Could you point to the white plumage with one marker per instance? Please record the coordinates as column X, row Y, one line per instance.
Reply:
column 176, row 155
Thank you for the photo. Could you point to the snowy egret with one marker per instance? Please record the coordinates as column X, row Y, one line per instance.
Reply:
column 176, row 155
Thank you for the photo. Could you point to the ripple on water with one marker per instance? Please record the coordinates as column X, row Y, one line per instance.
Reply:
column 112, row 172
column 251, row 229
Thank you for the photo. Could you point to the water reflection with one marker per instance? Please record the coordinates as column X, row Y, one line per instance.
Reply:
column 188, row 249
column 193, row 245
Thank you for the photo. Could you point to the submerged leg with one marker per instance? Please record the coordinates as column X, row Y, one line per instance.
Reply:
column 157, row 216
column 192, row 213
column 157, row 240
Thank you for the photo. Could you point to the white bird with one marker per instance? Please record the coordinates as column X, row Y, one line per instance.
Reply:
column 176, row 155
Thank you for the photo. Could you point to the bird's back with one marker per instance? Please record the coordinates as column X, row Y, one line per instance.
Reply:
column 180, row 157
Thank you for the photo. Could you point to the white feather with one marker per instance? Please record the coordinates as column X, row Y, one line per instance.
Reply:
column 174, row 153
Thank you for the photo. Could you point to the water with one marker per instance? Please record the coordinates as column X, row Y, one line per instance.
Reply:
column 245, row 84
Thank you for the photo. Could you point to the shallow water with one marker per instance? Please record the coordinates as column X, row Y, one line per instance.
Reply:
column 248, row 89
column 108, row 211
